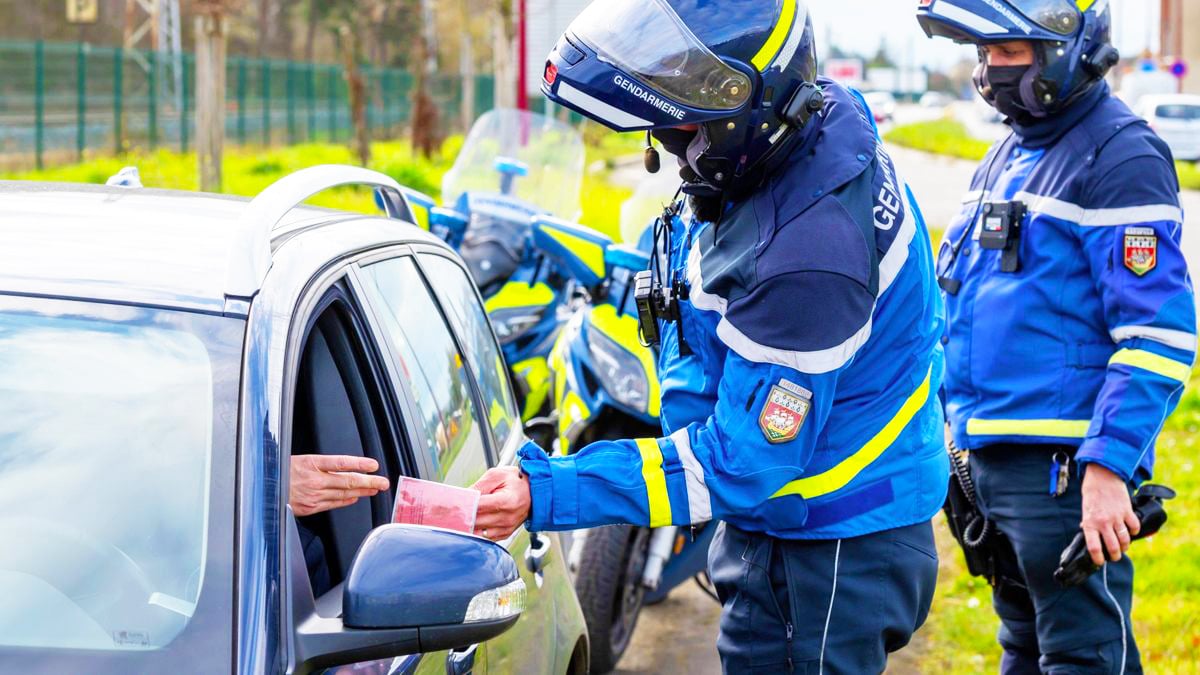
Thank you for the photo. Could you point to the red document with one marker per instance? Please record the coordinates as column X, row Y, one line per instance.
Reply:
column 421, row 502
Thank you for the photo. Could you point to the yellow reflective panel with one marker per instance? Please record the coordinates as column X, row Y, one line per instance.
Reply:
column 1084, row 5
column 623, row 329
column 787, row 16
column 572, row 410
column 1055, row 428
column 656, row 482
column 1159, row 365
column 520, row 294
column 536, row 374
column 841, row 474
column 589, row 253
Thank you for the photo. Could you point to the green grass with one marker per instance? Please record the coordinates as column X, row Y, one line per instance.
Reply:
column 247, row 171
column 943, row 137
column 960, row 636
column 949, row 137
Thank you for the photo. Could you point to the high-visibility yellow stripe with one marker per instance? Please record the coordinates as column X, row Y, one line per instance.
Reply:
column 1055, row 428
column 779, row 33
column 1160, row 365
column 590, row 253
column 840, row 476
column 1084, row 5
column 656, row 482
column 520, row 294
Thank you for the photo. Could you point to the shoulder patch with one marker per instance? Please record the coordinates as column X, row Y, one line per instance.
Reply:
column 1141, row 250
column 784, row 411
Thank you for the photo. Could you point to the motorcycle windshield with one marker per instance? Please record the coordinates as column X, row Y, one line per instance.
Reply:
column 518, row 154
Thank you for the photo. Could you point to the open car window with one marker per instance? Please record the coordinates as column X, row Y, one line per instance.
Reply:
column 430, row 367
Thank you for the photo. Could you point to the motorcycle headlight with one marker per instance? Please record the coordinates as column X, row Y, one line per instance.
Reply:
column 620, row 372
column 511, row 324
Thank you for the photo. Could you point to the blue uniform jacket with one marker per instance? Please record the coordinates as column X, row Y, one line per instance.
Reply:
column 807, row 407
column 1090, row 343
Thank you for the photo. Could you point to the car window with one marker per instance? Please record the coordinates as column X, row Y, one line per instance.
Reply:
column 116, row 433
column 469, row 319
column 1178, row 111
column 431, row 368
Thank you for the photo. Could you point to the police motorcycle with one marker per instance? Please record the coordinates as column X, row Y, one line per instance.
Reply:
column 514, row 168
column 606, row 387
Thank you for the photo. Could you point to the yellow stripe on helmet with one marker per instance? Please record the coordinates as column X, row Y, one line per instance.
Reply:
column 779, row 33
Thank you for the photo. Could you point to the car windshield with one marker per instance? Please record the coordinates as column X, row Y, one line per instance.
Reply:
column 523, row 155
column 106, row 446
column 1178, row 111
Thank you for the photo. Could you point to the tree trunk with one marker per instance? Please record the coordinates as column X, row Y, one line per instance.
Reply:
column 466, row 67
column 210, row 95
column 357, row 94
column 310, row 42
column 503, row 55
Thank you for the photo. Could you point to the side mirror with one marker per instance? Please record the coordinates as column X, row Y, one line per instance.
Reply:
column 410, row 589
column 579, row 250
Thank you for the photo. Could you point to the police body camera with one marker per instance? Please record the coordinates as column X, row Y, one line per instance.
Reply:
column 655, row 302
column 1075, row 565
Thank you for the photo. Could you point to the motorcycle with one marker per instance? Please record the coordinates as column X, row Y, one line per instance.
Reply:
column 514, row 167
column 606, row 387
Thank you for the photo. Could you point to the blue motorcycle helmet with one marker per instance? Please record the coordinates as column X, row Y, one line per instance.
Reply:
column 1071, row 38
column 742, row 71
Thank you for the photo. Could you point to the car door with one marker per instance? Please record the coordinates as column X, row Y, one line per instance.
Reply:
column 438, row 352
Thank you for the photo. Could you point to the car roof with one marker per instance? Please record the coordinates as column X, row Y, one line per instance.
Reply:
column 1169, row 99
column 165, row 248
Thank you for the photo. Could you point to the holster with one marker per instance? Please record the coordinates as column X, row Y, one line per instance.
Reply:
column 988, row 553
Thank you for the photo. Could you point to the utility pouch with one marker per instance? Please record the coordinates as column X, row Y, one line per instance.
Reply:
column 1001, row 231
column 988, row 553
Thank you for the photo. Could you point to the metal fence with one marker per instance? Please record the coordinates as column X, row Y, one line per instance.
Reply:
column 61, row 100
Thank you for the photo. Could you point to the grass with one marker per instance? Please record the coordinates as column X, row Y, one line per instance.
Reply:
column 247, row 171
column 960, row 636
column 949, row 137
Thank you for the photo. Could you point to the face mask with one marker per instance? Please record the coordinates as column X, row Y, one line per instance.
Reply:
column 1004, row 83
column 675, row 141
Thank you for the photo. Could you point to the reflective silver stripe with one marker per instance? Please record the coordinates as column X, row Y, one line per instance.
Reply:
column 1074, row 213
column 599, row 108
column 784, row 57
column 968, row 19
column 699, row 501
column 1176, row 339
column 813, row 362
column 837, row 556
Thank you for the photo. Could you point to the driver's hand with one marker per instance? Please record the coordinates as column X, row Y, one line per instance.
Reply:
column 505, row 502
column 325, row 482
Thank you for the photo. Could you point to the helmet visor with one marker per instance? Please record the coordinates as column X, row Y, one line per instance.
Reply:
column 647, row 40
column 1056, row 16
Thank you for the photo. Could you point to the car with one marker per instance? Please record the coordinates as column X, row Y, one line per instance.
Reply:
column 935, row 99
column 164, row 355
column 882, row 105
column 1176, row 119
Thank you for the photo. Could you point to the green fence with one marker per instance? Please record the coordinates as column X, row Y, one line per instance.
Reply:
column 60, row 100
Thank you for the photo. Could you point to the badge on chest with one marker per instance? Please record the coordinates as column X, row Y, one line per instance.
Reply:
column 784, row 411
column 1141, row 249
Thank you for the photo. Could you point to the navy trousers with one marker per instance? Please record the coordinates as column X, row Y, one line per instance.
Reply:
column 1046, row 628
column 820, row 606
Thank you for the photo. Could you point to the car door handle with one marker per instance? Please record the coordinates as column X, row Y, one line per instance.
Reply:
column 538, row 553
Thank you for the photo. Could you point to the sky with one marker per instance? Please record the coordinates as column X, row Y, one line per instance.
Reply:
column 859, row 25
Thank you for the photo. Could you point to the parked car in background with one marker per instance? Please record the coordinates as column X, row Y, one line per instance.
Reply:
column 1176, row 119
column 882, row 105
column 935, row 99
column 164, row 355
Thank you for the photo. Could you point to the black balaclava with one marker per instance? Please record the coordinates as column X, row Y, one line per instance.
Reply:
column 1004, row 84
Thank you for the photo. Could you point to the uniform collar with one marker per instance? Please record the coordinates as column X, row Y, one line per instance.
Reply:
column 1047, row 131
column 831, row 155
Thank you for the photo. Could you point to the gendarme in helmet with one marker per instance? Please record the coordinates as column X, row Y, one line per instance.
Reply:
column 1071, row 40
column 741, row 70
